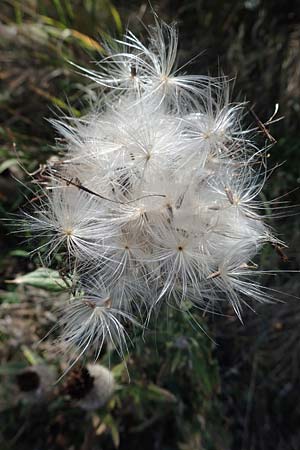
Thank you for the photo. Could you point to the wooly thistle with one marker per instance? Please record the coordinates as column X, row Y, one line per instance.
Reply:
column 157, row 197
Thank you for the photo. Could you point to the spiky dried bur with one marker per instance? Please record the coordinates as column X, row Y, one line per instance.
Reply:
column 157, row 198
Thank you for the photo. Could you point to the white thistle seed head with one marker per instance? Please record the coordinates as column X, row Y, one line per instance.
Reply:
column 157, row 198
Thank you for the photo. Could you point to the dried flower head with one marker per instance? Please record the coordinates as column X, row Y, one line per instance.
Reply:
column 91, row 386
column 36, row 383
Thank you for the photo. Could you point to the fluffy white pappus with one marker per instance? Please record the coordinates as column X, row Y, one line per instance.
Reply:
column 216, row 139
column 66, row 219
column 240, row 186
column 163, row 80
column 158, row 198
column 90, row 321
column 179, row 262
column 124, row 256
column 149, row 71
column 233, row 277
column 101, row 389
column 119, row 152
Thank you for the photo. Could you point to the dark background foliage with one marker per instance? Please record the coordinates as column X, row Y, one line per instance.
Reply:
column 186, row 392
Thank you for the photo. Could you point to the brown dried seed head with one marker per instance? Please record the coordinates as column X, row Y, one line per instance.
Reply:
column 78, row 383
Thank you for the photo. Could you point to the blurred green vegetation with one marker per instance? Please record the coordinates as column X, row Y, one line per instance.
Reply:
column 185, row 392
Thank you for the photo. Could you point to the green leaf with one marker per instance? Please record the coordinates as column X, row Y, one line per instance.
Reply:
column 113, row 428
column 31, row 357
column 119, row 369
column 162, row 394
column 117, row 18
column 19, row 252
column 9, row 297
column 7, row 164
column 60, row 11
column 42, row 278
